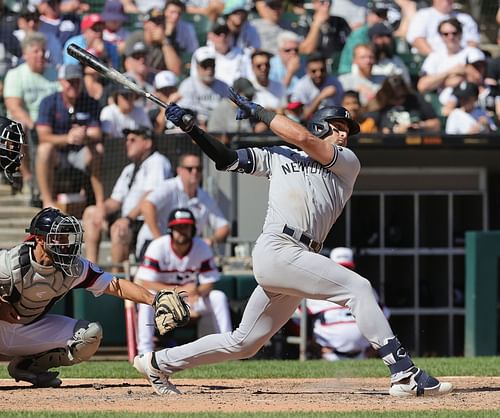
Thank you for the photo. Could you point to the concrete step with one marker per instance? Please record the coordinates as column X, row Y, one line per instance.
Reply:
column 13, row 234
column 17, row 211
column 15, row 223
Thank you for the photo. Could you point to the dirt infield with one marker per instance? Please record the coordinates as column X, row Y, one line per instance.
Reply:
column 255, row 395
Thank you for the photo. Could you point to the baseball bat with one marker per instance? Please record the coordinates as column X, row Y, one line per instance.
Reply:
column 90, row 60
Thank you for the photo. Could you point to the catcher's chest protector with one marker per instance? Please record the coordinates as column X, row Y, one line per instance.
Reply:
column 35, row 287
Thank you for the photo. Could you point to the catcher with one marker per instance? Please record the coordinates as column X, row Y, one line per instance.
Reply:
column 39, row 272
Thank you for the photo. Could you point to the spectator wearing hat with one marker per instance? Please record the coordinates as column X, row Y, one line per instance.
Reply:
column 120, row 214
column 468, row 117
column 446, row 67
column 377, row 12
column 136, row 69
column 425, row 35
column 317, row 88
column 202, row 92
column 286, row 66
column 60, row 24
column 179, row 33
column 386, row 61
column 91, row 39
column 165, row 84
column 351, row 102
column 361, row 77
column 114, row 18
column 223, row 121
column 243, row 32
column 69, row 135
column 28, row 21
column 231, row 62
column 161, row 54
column 295, row 111
column 123, row 113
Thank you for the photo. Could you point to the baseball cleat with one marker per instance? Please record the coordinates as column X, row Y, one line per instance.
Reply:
column 420, row 384
column 19, row 369
column 159, row 380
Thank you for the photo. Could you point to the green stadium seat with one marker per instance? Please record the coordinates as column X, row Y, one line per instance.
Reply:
column 201, row 25
column 245, row 285
column 228, row 285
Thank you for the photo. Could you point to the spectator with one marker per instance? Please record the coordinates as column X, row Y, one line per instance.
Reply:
column 386, row 61
column 202, row 93
column 376, row 13
column 181, row 191
column 179, row 33
column 468, row 118
column 269, row 93
column 398, row 109
column 424, row 33
column 231, row 62
column 96, row 86
column 29, row 22
column 317, row 88
column 91, row 39
column 446, row 68
column 161, row 54
column 135, row 67
column 286, row 66
column 74, row 6
column 354, row 12
column 210, row 8
column 322, row 31
column 269, row 24
column 184, row 262
column 10, row 48
column 223, row 118
column 114, row 18
column 361, row 78
column 26, row 85
column 124, row 113
column 69, row 135
column 243, row 32
column 295, row 112
column 165, row 85
column 334, row 328
column 62, row 25
column 142, row 6
column 120, row 214
column 352, row 103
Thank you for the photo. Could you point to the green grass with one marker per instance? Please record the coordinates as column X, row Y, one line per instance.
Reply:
column 454, row 366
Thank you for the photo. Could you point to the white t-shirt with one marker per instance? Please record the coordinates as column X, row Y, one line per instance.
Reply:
column 425, row 25
column 170, row 195
column 162, row 264
column 113, row 121
column 305, row 91
column 440, row 61
column 271, row 97
column 461, row 122
column 152, row 171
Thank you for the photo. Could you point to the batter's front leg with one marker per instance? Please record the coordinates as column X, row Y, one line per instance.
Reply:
column 264, row 315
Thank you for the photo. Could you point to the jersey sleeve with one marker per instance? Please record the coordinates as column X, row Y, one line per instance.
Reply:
column 150, row 269
column 255, row 161
column 93, row 278
column 344, row 163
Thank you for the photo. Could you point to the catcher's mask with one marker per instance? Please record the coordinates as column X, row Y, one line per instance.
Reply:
column 11, row 140
column 320, row 127
column 182, row 216
column 63, row 239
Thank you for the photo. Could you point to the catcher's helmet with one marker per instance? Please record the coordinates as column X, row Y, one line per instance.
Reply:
column 11, row 139
column 319, row 126
column 63, row 238
column 182, row 216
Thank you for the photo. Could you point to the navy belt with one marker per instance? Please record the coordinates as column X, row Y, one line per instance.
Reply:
column 350, row 354
column 304, row 239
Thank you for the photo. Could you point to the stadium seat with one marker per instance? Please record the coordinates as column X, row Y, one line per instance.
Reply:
column 201, row 25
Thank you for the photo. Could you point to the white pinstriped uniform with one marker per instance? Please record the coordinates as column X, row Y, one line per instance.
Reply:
column 308, row 197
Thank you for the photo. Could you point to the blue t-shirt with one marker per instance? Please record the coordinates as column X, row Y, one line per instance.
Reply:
column 79, row 40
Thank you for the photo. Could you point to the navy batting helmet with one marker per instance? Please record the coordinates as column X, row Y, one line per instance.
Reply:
column 182, row 216
column 11, row 139
column 319, row 126
column 63, row 238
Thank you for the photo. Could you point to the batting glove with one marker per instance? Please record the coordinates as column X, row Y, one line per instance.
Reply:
column 179, row 117
column 246, row 108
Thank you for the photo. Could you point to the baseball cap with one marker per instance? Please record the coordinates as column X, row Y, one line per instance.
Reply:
column 379, row 29
column 244, row 86
column 69, row 72
column 203, row 54
column 165, row 79
column 466, row 89
column 140, row 130
column 113, row 10
column 294, row 105
column 90, row 20
column 343, row 256
column 138, row 47
column 154, row 14
column 475, row 55
column 219, row 26
column 231, row 6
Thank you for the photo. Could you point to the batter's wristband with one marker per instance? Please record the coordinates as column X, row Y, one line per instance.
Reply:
column 264, row 115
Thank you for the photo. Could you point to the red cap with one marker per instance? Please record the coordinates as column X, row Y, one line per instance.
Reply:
column 183, row 221
column 90, row 20
column 294, row 105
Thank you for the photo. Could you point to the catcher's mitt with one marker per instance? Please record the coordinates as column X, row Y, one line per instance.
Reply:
column 171, row 311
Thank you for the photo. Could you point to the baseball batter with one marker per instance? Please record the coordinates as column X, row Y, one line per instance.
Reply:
column 309, row 187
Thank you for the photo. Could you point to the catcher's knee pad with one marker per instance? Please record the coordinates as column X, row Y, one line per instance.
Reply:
column 85, row 342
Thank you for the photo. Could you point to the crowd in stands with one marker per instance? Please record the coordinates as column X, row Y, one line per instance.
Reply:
column 397, row 65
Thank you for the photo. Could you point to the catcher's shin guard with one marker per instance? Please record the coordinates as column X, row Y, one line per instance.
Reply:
column 85, row 342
